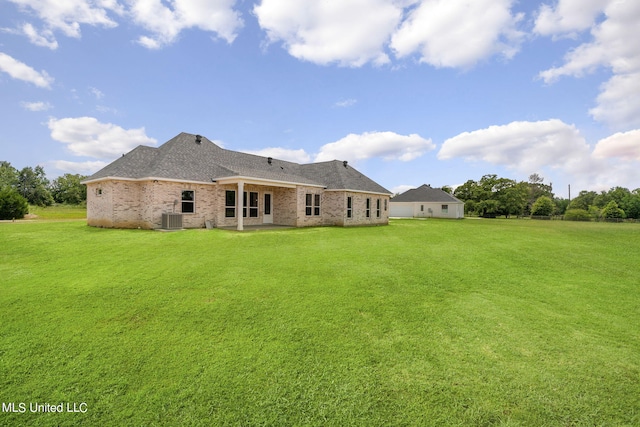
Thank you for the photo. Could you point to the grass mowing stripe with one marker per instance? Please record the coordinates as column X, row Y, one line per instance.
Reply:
column 419, row 323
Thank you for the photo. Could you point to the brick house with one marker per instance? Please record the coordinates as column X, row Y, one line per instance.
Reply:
column 192, row 178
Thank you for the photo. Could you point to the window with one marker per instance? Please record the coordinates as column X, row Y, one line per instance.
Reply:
column 349, row 207
column 253, row 204
column 188, row 201
column 312, row 204
column 421, row 208
column 385, row 204
column 244, row 204
column 378, row 208
column 230, row 204
column 308, row 204
column 267, row 203
column 445, row 209
column 98, row 191
column 368, row 209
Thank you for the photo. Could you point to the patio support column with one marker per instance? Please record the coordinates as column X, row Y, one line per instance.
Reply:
column 239, row 201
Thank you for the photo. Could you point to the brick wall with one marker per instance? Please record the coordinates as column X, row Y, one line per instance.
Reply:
column 134, row 204
column 99, row 204
column 359, row 209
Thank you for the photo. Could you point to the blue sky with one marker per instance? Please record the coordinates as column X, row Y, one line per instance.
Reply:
column 408, row 91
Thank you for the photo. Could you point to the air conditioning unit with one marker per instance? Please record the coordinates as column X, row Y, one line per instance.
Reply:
column 171, row 221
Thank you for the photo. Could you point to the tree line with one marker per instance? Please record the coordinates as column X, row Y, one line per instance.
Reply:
column 30, row 186
column 493, row 196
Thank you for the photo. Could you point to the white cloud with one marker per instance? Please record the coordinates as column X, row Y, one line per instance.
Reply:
column 444, row 33
column 387, row 145
column 346, row 103
column 165, row 23
column 297, row 156
column 555, row 148
column 21, row 71
column 96, row 92
column 619, row 101
column 86, row 136
column 164, row 20
column 45, row 38
column 83, row 168
column 36, row 106
column 622, row 145
column 612, row 46
column 67, row 16
column 524, row 146
column 568, row 17
column 458, row 33
column 348, row 32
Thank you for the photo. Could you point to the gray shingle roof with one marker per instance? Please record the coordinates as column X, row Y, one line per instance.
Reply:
column 338, row 175
column 183, row 158
column 426, row 194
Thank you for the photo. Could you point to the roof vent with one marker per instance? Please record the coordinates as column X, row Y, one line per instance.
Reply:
column 269, row 160
column 345, row 163
column 198, row 139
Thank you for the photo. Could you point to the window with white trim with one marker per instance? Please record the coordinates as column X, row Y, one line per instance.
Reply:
column 349, row 206
column 445, row 209
column 230, row 204
column 378, row 205
column 253, row 204
column 312, row 204
column 368, row 208
column 188, row 201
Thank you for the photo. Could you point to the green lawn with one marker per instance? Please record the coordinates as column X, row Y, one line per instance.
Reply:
column 472, row 322
column 57, row 212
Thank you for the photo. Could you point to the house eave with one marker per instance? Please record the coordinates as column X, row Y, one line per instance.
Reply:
column 262, row 181
column 149, row 178
column 346, row 190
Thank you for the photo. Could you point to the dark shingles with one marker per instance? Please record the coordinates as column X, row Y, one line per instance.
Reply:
column 425, row 193
column 183, row 158
column 336, row 175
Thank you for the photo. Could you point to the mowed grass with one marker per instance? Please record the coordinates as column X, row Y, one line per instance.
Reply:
column 57, row 212
column 473, row 322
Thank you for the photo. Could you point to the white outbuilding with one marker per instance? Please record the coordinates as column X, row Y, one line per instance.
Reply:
column 426, row 202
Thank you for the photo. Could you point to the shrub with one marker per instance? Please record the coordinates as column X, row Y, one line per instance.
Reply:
column 612, row 211
column 12, row 204
column 543, row 206
column 577, row 215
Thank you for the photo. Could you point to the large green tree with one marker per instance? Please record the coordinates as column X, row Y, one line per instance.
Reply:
column 12, row 204
column 583, row 200
column 536, row 189
column 544, row 206
column 631, row 204
column 67, row 189
column 612, row 211
column 33, row 185
column 8, row 175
